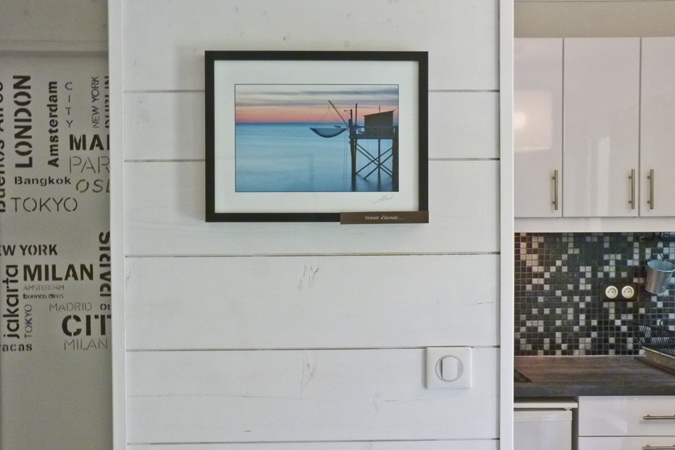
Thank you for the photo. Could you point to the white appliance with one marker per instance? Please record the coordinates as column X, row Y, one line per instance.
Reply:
column 543, row 425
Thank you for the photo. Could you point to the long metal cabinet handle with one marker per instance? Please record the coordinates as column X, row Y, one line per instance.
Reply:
column 651, row 189
column 631, row 177
column 555, row 190
column 650, row 417
column 658, row 447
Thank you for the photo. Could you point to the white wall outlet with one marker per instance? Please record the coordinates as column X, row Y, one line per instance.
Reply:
column 628, row 292
column 619, row 291
column 448, row 367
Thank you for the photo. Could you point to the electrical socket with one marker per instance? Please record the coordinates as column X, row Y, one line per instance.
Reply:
column 628, row 292
column 619, row 292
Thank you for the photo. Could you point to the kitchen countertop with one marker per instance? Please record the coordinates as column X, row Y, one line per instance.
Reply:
column 571, row 376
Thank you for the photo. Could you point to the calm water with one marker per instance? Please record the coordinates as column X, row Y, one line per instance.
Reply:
column 285, row 157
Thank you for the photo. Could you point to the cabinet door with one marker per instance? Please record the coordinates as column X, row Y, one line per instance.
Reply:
column 657, row 134
column 627, row 416
column 538, row 127
column 601, row 120
column 626, row 443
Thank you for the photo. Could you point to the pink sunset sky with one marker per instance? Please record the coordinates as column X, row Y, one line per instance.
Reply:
column 258, row 103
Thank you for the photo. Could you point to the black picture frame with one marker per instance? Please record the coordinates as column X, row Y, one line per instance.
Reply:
column 260, row 163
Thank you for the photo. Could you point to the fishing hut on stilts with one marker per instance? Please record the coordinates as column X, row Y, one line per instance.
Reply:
column 378, row 126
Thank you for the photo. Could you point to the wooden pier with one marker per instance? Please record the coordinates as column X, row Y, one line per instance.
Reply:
column 378, row 126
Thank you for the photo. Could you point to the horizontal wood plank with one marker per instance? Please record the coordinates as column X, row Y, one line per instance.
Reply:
column 311, row 302
column 285, row 396
column 173, row 42
column 463, row 125
column 370, row 445
column 164, row 210
column 164, row 126
column 170, row 125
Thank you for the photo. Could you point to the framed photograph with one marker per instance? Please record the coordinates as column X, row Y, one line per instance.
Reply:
column 316, row 136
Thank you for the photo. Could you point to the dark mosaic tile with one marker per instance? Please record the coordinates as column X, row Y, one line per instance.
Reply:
column 558, row 307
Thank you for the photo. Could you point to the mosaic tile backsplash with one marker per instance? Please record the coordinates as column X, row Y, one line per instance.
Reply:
column 559, row 309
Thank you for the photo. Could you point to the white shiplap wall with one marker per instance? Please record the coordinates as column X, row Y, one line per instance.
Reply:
column 296, row 336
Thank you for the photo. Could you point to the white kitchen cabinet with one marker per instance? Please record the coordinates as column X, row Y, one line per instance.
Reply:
column 543, row 424
column 626, row 422
column 576, row 127
column 601, row 93
column 657, row 130
column 538, row 123
column 627, row 443
column 617, row 103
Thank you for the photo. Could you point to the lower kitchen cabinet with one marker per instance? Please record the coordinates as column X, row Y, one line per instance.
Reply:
column 543, row 424
column 626, row 443
column 627, row 422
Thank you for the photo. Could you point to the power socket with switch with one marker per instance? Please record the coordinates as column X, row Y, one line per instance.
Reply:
column 619, row 291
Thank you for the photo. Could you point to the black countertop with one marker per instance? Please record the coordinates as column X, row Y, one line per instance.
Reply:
column 571, row 376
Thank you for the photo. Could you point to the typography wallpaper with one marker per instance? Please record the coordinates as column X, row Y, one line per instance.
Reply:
column 54, row 252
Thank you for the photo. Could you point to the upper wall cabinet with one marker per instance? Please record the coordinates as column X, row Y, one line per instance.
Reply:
column 601, row 95
column 657, row 125
column 538, row 127
column 608, row 152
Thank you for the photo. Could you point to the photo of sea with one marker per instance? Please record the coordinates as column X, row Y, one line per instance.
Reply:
column 296, row 138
